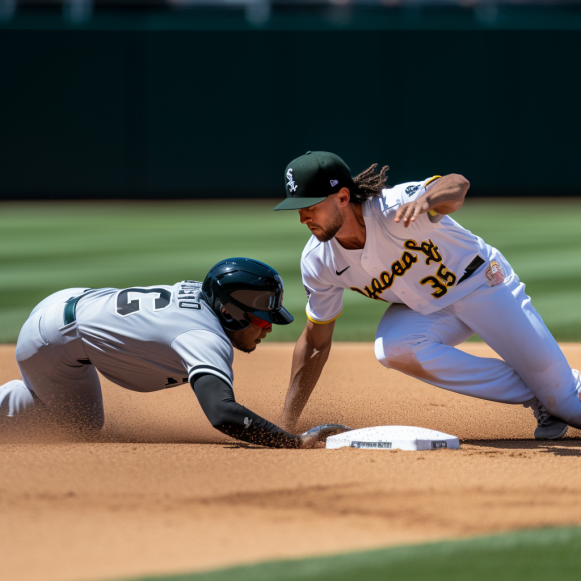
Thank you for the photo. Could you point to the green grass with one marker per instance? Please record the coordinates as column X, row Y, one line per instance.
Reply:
column 46, row 247
column 524, row 556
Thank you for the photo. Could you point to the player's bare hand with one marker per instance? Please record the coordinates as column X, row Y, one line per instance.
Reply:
column 321, row 433
column 409, row 212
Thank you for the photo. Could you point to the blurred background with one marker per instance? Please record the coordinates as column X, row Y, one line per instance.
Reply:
column 141, row 142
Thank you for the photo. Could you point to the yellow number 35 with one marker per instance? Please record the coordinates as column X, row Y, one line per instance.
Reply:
column 446, row 279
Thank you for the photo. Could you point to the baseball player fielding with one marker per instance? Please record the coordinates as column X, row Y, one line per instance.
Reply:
column 444, row 284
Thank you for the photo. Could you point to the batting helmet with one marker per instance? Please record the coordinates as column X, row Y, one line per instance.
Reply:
column 243, row 285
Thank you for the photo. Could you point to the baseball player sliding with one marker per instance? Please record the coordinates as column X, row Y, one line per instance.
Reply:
column 152, row 338
column 399, row 245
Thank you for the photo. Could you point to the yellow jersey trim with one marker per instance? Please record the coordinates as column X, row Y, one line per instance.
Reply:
column 431, row 180
column 323, row 322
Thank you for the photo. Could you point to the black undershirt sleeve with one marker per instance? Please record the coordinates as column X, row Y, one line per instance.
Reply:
column 217, row 401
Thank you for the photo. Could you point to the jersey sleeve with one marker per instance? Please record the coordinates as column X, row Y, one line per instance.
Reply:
column 324, row 301
column 204, row 352
column 408, row 192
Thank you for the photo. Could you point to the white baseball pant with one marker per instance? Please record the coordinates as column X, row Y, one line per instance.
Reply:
column 533, row 365
column 49, row 354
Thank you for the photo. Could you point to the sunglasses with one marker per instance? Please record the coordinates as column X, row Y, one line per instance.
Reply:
column 258, row 322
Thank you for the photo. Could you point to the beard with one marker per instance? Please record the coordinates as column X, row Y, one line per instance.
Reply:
column 325, row 234
column 244, row 348
column 238, row 342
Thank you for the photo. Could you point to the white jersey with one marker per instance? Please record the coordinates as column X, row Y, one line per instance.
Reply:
column 152, row 338
column 421, row 266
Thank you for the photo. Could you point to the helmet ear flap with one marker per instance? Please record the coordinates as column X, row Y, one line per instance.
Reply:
column 224, row 314
column 227, row 319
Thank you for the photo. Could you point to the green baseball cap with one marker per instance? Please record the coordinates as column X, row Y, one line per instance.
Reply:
column 310, row 178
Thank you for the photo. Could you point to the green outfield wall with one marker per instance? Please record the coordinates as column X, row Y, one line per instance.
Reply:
column 208, row 114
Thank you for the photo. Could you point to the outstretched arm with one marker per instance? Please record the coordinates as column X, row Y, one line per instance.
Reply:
column 445, row 196
column 229, row 417
column 309, row 357
column 217, row 400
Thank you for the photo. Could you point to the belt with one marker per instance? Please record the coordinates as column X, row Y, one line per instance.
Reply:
column 70, row 314
column 471, row 269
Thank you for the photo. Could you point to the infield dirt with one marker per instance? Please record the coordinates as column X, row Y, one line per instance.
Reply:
column 163, row 492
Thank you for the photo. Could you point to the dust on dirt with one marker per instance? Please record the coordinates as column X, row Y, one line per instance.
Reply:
column 163, row 492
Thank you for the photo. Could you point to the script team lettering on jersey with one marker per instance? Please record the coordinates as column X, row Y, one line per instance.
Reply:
column 442, row 280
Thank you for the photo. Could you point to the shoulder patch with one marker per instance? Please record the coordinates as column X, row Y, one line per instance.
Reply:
column 411, row 190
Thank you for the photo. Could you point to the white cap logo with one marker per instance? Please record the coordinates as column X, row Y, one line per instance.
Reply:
column 334, row 183
column 292, row 187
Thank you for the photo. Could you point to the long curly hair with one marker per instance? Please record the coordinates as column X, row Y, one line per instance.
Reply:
column 369, row 184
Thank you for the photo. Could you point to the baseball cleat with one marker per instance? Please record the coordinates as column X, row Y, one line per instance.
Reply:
column 548, row 427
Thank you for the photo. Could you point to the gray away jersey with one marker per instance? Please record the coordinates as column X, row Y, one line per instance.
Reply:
column 151, row 338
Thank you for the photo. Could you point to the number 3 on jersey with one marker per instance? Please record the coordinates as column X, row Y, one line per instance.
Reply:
column 131, row 300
